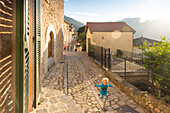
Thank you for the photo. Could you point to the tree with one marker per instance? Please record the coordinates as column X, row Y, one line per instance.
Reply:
column 82, row 36
column 81, row 30
column 82, row 39
column 83, row 44
column 157, row 59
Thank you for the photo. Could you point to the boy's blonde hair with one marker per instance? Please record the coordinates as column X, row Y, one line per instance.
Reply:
column 105, row 79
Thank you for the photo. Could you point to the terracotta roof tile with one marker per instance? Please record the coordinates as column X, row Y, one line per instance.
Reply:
column 108, row 27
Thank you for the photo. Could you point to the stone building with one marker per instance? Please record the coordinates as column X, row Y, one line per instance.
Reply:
column 52, row 12
column 31, row 42
column 66, row 35
column 140, row 41
column 69, row 36
column 113, row 35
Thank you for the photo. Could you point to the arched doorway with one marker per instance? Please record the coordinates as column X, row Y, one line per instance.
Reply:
column 51, row 45
column 50, row 49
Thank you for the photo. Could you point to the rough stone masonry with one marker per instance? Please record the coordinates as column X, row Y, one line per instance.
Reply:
column 52, row 13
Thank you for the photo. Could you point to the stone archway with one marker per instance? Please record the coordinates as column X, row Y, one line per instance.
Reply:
column 50, row 46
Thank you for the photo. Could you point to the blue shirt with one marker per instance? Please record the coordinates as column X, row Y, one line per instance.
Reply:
column 103, row 90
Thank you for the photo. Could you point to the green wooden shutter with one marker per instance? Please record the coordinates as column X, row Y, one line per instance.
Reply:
column 37, row 77
column 26, row 58
column 22, row 56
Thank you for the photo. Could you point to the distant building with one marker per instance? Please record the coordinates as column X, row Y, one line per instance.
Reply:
column 140, row 41
column 113, row 35
column 69, row 36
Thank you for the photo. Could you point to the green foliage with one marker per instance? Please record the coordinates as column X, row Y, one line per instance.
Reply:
column 82, row 36
column 91, row 50
column 119, row 53
column 82, row 40
column 157, row 59
column 81, row 30
column 83, row 44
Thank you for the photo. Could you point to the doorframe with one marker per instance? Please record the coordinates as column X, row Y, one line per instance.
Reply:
column 30, row 58
column 49, row 30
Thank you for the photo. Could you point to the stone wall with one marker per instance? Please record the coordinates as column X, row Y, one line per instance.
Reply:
column 52, row 14
column 139, row 79
column 148, row 102
column 88, row 36
column 136, row 50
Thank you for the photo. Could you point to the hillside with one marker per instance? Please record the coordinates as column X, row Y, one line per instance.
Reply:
column 75, row 23
column 151, row 29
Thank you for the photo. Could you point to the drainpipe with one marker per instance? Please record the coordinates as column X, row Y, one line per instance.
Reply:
column 142, row 50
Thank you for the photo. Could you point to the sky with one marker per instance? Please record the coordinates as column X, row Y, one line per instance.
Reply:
column 114, row 10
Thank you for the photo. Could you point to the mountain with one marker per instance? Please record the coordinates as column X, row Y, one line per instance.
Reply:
column 151, row 29
column 75, row 23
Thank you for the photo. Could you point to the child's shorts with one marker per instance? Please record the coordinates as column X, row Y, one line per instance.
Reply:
column 103, row 98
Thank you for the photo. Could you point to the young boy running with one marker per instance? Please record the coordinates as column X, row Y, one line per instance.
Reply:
column 103, row 91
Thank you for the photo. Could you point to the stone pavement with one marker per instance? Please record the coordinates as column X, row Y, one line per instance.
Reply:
column 81, row 95
column 79, row 88
column 116, row 98
column 54, row 101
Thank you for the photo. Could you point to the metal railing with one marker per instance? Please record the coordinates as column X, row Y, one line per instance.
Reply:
column 130, row 65
column 158, row 83
column 137, row 58
column 101, row 55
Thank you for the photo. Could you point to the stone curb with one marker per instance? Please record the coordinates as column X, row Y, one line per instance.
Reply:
column 65, row 73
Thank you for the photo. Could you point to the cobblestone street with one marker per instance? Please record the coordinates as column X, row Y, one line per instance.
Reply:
column 116, row 98
column 78, row 86
column 82, row 75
